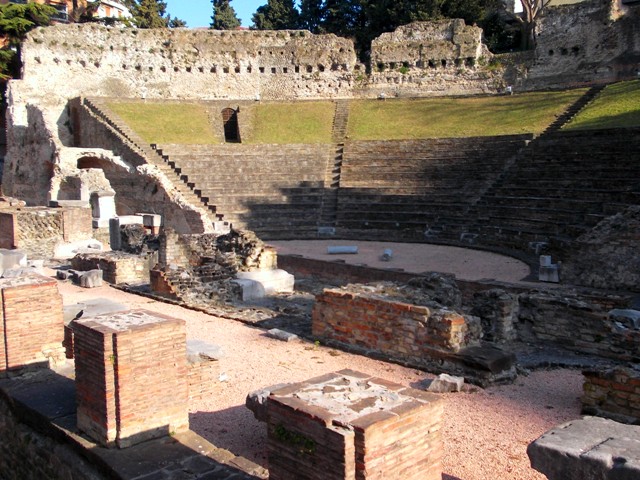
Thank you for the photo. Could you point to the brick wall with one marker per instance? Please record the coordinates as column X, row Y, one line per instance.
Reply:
column 117, row 267
column 37, row 230
column 32, row 323
column 613, row 393
column 8, row 230
column 203, row 378
column 351, row 425
column 405, row 332
column 131, row 377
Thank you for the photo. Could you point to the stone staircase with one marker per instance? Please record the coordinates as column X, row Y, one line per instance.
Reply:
column 329, row 206
column 99, row 108
column 340, row 121
column 574, row 109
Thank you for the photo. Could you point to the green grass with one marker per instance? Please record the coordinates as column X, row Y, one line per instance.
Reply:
column 617, row 106
column 457, row 117
column 181, row 123
column 301, row 122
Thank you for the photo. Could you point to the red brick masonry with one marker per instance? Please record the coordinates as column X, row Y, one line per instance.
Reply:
column 31, row 322
column 131, row 377
column 349, row 425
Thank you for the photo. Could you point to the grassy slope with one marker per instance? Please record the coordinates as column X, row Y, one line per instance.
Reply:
column 457, row 117
column 181, row 123
column 311, row 122
column 617, row 106
column 302, row 122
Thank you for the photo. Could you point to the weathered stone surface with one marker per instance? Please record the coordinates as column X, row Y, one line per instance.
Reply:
column 588, row 449
column 446, row 383
column 440, row 288
column 488, row 358
column 11, row 259
column 260, row 284
column 198, row 349
column 256, row 401
column 498, row 312
column 281, row 335
column 91, row 279
column 608, row 256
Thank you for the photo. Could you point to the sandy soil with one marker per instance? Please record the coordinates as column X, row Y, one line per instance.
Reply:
column 464, row 263
column 486, row 432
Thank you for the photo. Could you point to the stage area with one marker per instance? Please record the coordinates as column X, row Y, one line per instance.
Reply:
column 464, row 263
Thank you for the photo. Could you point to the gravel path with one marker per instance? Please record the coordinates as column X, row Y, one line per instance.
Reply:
column 486, row 432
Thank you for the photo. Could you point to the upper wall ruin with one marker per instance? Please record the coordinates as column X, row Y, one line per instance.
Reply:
column 593, row 41
column 429, row 45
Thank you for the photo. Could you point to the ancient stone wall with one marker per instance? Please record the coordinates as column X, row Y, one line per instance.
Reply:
column 608, row 256
column 443, row 57
column 613, row 393
column 591, row 41
column 28, row 453
column 180, row 63
column 38, row 230
column 117, row 267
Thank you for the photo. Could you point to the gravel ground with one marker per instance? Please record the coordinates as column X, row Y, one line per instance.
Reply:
column 486, row 432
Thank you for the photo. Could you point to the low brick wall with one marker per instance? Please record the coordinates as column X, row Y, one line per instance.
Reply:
column 31, row 323
column 409, row 333
column 613, row 393
column 37, row 230
column 117, row 267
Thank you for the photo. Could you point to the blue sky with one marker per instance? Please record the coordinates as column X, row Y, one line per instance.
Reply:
column 197, row 13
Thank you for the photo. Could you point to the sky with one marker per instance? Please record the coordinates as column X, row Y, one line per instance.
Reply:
column 197, row 13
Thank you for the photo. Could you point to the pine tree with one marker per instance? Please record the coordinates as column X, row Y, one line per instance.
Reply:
column 224, row 16
column 276, row 15
column 148, row 13
column 16, row 20
column 312, row 14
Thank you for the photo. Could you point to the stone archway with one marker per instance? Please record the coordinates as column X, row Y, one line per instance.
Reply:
column 231, row 127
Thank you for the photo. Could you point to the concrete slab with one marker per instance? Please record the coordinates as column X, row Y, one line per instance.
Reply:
column 92, row 307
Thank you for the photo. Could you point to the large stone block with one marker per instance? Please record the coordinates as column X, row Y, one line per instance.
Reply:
column 588, row 449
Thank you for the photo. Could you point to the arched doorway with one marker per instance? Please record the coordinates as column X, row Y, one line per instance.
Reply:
column 230, row 122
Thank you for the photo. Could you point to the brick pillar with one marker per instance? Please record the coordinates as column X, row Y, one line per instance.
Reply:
column 352, row 426
column 131, row 377
column 31, row 322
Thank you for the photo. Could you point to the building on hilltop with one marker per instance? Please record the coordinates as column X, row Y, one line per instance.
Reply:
column 112, row 9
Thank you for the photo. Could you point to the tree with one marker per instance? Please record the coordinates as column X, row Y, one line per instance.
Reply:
column 531, row 10
column 175, row 22
column 276, row 15
column 148, row 13
column 224, row 16
column 16, row 20
column 312, row 14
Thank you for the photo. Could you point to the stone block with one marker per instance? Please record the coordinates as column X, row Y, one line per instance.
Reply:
column 629, row 318
column 549, row 274
column 259, row 284
column 10, row 259
column 281, row 335
column 446, row 383
column 340, row 250
column 588, row 449
column 256, row 401
column 91, row 279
